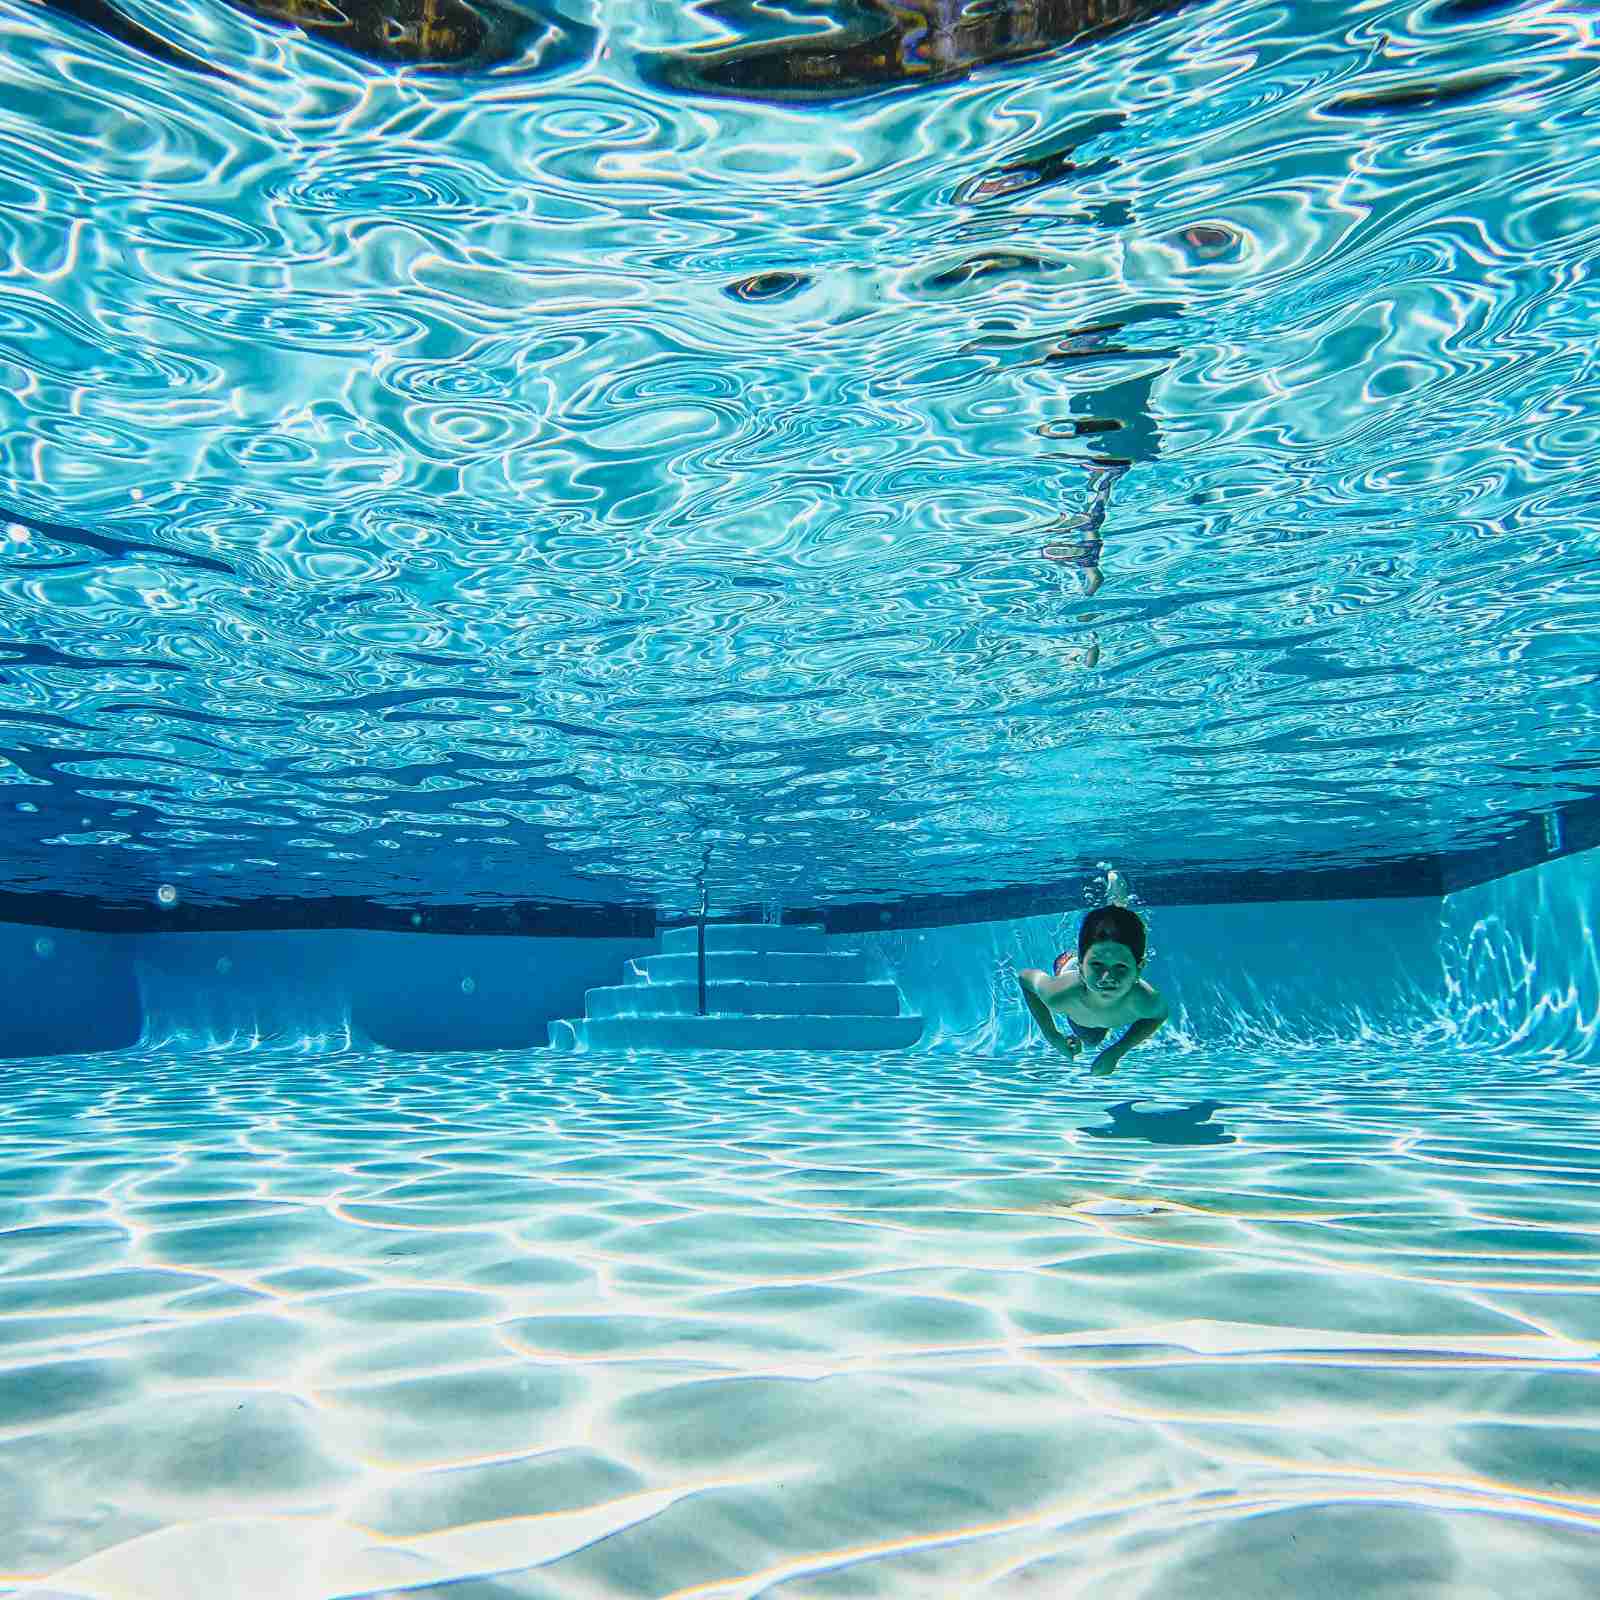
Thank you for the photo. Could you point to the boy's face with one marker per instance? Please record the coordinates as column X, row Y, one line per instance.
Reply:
column 1109, row 969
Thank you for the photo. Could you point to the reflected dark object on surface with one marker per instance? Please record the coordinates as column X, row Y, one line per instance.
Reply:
column 1083, row 546
column 1208, row 242
column 81, row 539
column 876, row 45
column 1037, row 169
column 1095, row 343
column 1178, row 1125
column 1471, row 10
column 988, row 264
column 105, row 18
column 1461, row 91
column 1124, row 420
column 1078, row 428
column 766, row 286
column 424, row 33
column 436, row 33
column 1120, row 414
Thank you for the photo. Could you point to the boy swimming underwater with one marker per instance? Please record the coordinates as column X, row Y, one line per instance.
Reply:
column 1098, row 990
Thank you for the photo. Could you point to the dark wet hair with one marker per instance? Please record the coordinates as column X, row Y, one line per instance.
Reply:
column 1112, row 922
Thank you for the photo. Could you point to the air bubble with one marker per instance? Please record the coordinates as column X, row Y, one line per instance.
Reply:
column 167, row 895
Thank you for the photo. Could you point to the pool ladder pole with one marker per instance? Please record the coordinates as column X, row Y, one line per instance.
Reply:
column 700, row 943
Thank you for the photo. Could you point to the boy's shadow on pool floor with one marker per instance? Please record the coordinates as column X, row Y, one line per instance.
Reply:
column 1176, row 1125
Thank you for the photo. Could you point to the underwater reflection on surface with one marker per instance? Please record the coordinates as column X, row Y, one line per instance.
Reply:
column 877, row 45
column 489, row 467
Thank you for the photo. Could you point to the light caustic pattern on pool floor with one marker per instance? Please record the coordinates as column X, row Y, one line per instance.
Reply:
column 797, row 1326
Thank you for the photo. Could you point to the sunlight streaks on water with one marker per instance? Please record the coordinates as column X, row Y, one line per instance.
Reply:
column 651, row 468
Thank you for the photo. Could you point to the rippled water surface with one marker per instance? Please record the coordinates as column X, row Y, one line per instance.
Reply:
column 644, row 431
column 1318, row 1323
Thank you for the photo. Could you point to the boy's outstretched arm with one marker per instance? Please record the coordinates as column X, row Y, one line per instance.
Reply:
column 1027, row 981
column 1108, row 1058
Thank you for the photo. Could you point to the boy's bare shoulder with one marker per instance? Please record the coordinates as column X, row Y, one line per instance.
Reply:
column 1053, row 991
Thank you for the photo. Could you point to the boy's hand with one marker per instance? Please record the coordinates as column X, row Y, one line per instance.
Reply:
column 1069, row 1044
column 1105, row 1063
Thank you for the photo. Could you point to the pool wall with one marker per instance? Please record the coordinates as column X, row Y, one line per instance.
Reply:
column 1509, row 964
column 1520, row 961
column 69, row 991
column 65, row 991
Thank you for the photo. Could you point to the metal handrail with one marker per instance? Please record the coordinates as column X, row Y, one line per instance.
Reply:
column 700, row 936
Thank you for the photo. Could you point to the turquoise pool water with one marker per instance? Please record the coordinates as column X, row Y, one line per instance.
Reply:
column 587, row 457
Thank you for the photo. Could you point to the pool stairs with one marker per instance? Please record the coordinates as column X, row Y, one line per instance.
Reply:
column 767, row 988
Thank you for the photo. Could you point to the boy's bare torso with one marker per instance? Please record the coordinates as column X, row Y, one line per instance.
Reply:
column 1068, row 994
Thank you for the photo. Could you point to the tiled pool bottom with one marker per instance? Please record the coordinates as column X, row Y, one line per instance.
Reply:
column 522, row 1325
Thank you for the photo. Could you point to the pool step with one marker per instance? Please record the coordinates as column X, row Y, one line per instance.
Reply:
column 742, row 997
column 758, row 936
column 767, row 988
column 662, row 1033
column 755, row 966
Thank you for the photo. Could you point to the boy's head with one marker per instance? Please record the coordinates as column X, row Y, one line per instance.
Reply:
column 1111, row 945
column 1115, row 923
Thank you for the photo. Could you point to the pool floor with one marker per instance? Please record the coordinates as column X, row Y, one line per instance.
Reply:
column 520, row 1324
